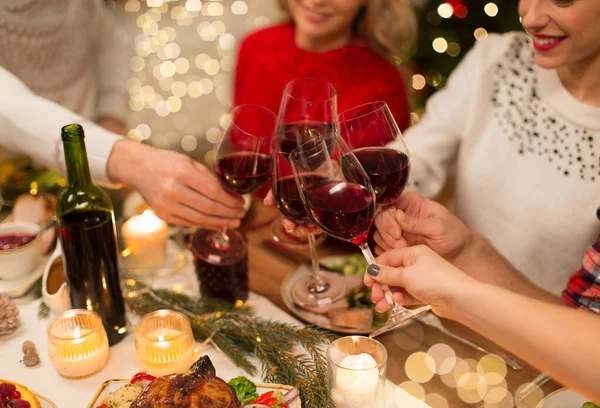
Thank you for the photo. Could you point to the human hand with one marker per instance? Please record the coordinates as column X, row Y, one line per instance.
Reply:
column 114, row 125
column 416, row 220
column 180, row 190
column 417, row 275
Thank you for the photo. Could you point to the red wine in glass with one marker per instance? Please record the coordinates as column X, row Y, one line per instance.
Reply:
column 243, row 172
column 388, row 170
column 288, row 200
column 342, row 209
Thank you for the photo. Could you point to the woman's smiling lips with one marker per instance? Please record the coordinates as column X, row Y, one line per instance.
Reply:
column 543, row 42
column 313, row 16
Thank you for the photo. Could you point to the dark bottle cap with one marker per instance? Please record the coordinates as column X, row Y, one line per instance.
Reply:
column 72, row 132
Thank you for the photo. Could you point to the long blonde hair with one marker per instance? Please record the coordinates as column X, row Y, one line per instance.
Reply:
column 388, row 26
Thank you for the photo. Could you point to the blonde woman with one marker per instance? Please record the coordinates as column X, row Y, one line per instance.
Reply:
column 353, row 44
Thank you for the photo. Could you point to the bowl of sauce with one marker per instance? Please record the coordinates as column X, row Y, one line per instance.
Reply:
column 20, row 249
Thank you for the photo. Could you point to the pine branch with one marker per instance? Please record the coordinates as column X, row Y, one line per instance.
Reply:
column 43, row 311
column 242, row 336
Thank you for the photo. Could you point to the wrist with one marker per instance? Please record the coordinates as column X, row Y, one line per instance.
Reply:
column 463, row 298
column 473, row 246
column 125, row 162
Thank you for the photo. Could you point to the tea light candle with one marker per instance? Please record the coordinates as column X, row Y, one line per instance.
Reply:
column 77, row 343
column 164, row 343
column 357, row 381
column 145, row 236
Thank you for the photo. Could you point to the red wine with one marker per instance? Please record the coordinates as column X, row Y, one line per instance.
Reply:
column 341, row 209
column 295, row 134
column 244, row 172
column 90, row 258
column 288, row 200
column 15, row 240
column 388, row 170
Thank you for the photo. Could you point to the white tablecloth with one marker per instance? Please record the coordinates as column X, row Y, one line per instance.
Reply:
column 66, row 393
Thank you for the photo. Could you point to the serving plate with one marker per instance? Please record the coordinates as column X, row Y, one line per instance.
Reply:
column 309, row 317
column 563, row 398
column 109, row 386
column 44, row 401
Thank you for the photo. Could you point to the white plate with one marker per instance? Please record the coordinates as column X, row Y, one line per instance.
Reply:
column 15, row 288
column 563, row 398
column 109, row 386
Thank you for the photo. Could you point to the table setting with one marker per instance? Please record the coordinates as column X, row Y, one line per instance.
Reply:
column 138, row 313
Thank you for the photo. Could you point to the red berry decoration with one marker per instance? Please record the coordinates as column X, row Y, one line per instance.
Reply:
column 16, row 395
column 21, row 404
column 7, row 390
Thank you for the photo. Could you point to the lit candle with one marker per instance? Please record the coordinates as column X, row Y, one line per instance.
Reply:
column 145, row 237
column 164, row 342
column 77, row 343
column 357, row 381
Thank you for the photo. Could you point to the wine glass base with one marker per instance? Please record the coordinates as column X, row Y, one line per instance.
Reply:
column 400, row 319
column 283, row 237
column 303, row 297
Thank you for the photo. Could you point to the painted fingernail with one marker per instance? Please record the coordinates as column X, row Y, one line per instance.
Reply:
column 373, row 270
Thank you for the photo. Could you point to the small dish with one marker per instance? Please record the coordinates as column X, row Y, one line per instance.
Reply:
column 319, row 320
column 44, row 401
column 563, row 398
column 17, row 263
column 18, row 287
column 109, row 386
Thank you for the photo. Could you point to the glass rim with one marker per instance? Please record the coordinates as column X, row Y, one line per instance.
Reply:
column 310, row 79
column 324, row 138
column 377, row 106
column 161, row 312
column 379, row 344
column 252, row 105
column 96, row 323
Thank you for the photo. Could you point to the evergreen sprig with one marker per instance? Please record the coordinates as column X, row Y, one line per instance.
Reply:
column 288, row 354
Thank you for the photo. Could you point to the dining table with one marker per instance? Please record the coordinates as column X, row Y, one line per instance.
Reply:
column 267, row 270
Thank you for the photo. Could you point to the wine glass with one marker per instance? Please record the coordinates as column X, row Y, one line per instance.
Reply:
column 308, row 109
column 243, row 162
column 340, row 199
column 369, row 129
column 320, row 287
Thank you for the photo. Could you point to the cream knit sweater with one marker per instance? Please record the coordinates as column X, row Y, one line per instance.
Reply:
column 61, row 61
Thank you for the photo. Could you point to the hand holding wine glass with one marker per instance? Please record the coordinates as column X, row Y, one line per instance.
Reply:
column 340, row 199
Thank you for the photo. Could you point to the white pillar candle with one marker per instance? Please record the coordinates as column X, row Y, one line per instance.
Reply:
column 145, row 237
column 357, row 382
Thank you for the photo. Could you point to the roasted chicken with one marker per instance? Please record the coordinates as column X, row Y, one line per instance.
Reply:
column 198, row 388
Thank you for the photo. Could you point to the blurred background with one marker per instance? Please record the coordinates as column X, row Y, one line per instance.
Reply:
column 184, row 52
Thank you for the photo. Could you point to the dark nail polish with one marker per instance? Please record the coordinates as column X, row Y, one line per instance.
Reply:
column 373, row 270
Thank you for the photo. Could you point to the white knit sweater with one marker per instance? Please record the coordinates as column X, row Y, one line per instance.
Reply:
column 70, row 52
column 525, row 153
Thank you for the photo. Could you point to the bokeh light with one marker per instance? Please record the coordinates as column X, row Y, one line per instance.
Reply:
column 213, row 135
column 453, row 49
column 193, row 5
column 413, row 388
column 440, row 45
column 445, row 10
column 492, row 363
column 470, row 388
column 418, row 82
column 498, row 398
column 480, row 33
column 442, row 355
column 491, row 9
column 436, row 401
column 212, row 67
column 189, row 143
column 239, row 7
column 214, row 9
column 419, row 367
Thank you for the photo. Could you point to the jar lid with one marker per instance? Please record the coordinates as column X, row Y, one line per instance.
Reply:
column 205, row 244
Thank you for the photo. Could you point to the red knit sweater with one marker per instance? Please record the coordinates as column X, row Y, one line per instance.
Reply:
column 269, row 58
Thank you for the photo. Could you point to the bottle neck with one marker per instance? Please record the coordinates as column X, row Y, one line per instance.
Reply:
column 78, row 171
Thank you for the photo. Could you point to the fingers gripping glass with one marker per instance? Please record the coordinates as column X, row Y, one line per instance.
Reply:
column 339, row 198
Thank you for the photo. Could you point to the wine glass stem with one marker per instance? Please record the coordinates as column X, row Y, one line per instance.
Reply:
column 317, row 284
column 364, row 247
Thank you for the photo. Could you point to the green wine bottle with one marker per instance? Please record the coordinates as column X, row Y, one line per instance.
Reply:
column 88, row 239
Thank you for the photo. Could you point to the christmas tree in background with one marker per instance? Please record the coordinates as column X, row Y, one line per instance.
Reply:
column 447, row 30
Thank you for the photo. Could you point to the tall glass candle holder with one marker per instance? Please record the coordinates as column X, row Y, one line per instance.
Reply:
column 164, row 342
column 77, row 343
column 356, row 371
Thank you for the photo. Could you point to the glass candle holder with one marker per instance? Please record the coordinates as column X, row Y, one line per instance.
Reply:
column 77, row 343
column 356, row 368
column 164, row 342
